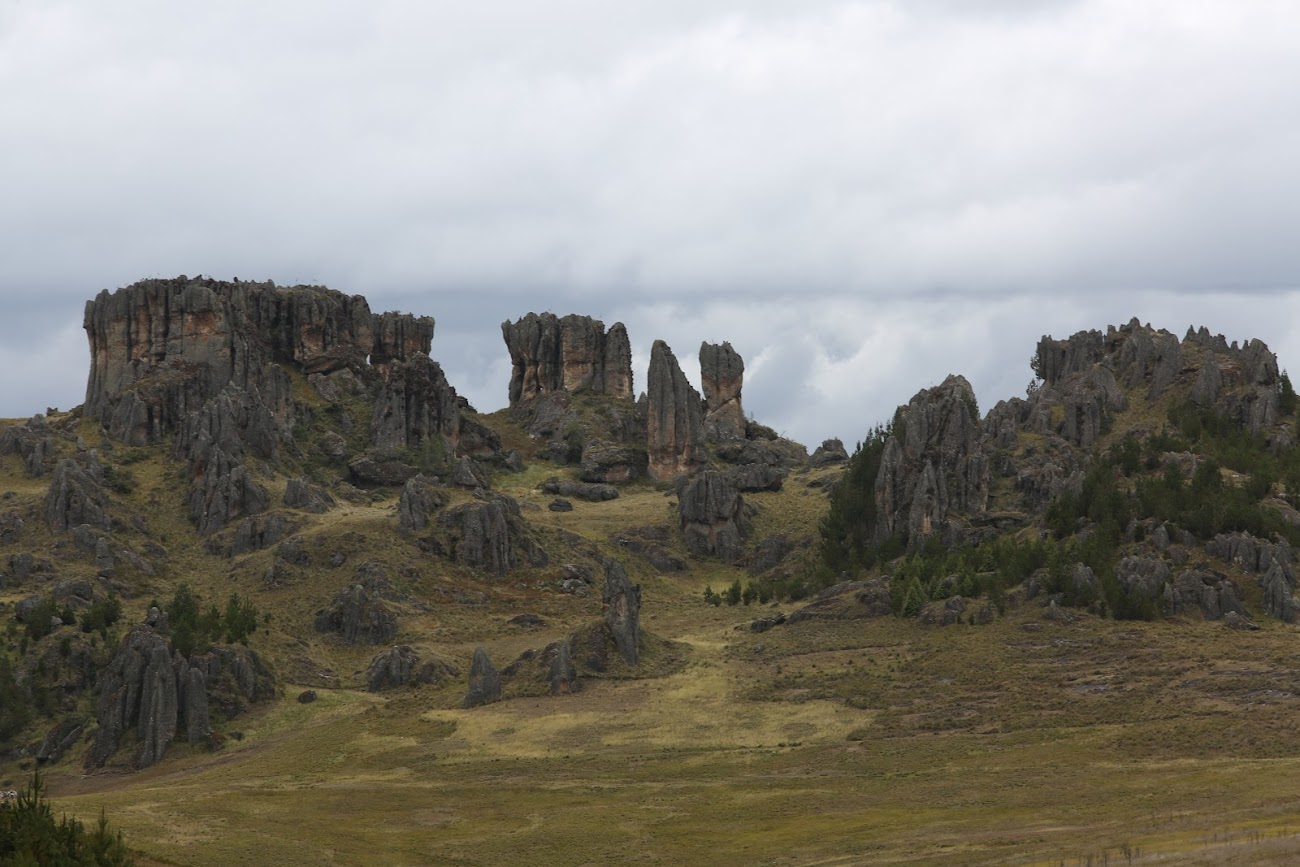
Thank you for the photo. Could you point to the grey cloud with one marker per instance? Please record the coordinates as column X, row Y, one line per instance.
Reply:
column 861, row 196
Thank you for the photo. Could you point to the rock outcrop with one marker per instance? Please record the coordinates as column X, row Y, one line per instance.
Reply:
column 421, row 497
column 401, row 666
column 592, row 492
column 622, row 604
column 573, row 354
column 933, row 467
column 163, row 695
column 612, row 464
column 722, row 375
column 484, row 680
column 301, row 494
column 712, row 517
column 75, row 497
column 674, row 418
column 359, row 615
column 562, row 677
column 831, row 451
column 491, row 535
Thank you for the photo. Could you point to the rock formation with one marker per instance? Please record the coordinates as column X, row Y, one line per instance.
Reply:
column 401, row 666
column 622, row 602
column 491, row 535
column 75, row 496
column 420, row 498
column 589, row 491
column 573, row 354
column 722, row 374
column 562, row 677
column 674, row 418
column 484, row 680
column 712, row 517
column 162, row 696
column 831, row 451
column 612, row 464
column 301, row 494
column 359, row 615
column 933, row 467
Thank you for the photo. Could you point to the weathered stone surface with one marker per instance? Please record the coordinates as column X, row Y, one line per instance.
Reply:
column 253, row 534
column 612, row 464
column 468, row 474
column 622, row 604
column 1212, row 593
column 651, row 543
column 33, row 442
column 359, row 615
column 421, row 497
column 484, row 680
column 573, row 354
column 61, row 738
column 829, row 452
column 401, row 666
column 772, row 452
column 1143, row 576
column 223, row 491
column 161, row 348
column 563, row 677
column 933, row 465
column 492, row 536
column 138, row 690
column 75, row 496
column 712, row 517
column 768, row 554
column 368, row 471
column 753, row 478
column 674, row 418
column 559, row 504
column 589, row 491
column 722, row 375
column 301, row 494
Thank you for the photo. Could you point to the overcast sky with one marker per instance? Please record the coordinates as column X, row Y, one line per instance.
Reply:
column 861, row 197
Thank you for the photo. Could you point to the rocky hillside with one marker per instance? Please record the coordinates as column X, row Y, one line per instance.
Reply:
column 265, row 481
column 275, row 529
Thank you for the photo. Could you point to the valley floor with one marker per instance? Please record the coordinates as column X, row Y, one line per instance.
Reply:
column 1136, row 743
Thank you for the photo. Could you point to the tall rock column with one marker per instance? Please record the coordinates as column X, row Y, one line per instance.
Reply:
column 722, row 374
column 674, row 417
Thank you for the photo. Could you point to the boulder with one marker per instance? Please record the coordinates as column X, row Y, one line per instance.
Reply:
column 589, row 491
column 468, row 474
column 560, row 504
column 753, row 478
column 301, row 494
column 674, row 418
column 617, row 464
column 712, row 517
column 484, row 680
column 829, row 452
column 368, row 471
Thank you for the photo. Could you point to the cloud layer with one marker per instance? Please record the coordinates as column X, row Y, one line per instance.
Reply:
column 860, row 196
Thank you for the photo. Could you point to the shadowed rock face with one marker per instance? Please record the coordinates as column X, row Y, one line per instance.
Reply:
column 573, row 353
column 492, row 536
column 674, row 417
column 359, row 615
column 622, row 601
column 722, row 374
column 933, row 465
column 401, row 666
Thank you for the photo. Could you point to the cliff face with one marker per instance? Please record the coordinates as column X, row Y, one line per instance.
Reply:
column 572, row 354
column 160, row 348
